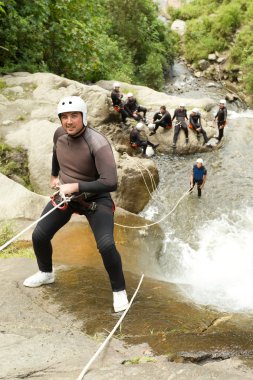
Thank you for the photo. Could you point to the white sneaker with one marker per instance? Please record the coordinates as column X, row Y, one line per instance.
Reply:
column 120, row 301
column 38, row 279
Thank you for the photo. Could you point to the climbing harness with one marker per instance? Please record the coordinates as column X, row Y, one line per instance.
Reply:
column 100, row 349
column 60, row 204
column 56, row 199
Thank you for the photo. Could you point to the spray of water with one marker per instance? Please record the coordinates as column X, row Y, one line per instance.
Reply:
column 220, row 271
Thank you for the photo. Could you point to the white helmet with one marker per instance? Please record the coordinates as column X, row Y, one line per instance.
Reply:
column 139, row 126
column 223, row 101
column 181, row 105
column 151, row 126
column 200, row 161
column 129, row 95
column 73, row 104
column 116, row 84
column 196, row 110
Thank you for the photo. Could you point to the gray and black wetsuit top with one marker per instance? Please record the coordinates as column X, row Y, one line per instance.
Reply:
column 87, row 159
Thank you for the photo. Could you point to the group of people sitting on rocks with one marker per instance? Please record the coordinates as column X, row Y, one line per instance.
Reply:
column 130, row 108
column 127, row 108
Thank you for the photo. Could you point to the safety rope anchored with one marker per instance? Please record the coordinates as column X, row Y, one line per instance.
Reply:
column 100, row 349
column 158, row 221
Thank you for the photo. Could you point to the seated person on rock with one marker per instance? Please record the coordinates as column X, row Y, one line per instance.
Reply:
column 137, row 141
column 198, row 176
column 161, row 118
column 117, row 102
column 195, row 124
column 133, row 109
column 180, row 114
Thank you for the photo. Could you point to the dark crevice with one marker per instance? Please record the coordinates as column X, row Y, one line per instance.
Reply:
column 200, row 358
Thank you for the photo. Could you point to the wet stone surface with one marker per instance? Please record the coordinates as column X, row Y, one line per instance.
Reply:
column 159, row 316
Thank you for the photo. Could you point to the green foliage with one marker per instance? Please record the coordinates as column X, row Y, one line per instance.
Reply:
column 7, row 231
column 86, row 40
column 216, row 25
column 2, row 84
column 14, row 162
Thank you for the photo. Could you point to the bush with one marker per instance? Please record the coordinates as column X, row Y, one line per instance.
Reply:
column 217, row 25
column 82, row 40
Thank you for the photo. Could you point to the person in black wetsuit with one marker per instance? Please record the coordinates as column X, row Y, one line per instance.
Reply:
column 133, row 109
column 221, row 118
column 162, row 119
column 180, row 114
column 137, row 141
column 198, row 176
column 117, row 102
column 195, row 124
column 83, row 166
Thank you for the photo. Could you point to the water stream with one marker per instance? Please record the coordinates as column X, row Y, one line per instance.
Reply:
column 208, row 245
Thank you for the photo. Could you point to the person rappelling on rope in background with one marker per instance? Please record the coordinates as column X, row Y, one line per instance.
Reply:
column 221, row 118
column 137, row 141
column 162, row 119
column 83, row 166
column 133, row 109
column 198, row 176
column 180, row 114
column 118, row 104
column 195, row 124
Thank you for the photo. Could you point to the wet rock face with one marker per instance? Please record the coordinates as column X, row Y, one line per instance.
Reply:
column 168, row 323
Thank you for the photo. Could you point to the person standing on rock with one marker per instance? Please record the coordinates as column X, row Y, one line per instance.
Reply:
column 133, row 109
column 198, row 176
column 137, row 141
column 180, row 114
column 221, row 118
column 162, row 119
column 83, row 167
column 117, row 102
column 195, row 124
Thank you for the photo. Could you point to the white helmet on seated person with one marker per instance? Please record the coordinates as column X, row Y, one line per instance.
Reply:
column 195, row 110
column 223, row 101
column 181, row 105
column 151, row 126
column 139, row 126
column 129, row 95
column 200, row 161
column 116, row 85
column 72, row 104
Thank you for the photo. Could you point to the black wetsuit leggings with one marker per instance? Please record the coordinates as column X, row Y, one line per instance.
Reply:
column 220, row 130
column 199, row 183
column 102, row 223
column 177, row 128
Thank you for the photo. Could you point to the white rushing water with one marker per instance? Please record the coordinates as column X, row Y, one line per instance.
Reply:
column 220, row 271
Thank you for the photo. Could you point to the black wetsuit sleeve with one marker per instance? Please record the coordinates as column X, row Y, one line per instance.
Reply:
column 55, row 165
column 107, row 173
column 225, row 114
column 175, row 114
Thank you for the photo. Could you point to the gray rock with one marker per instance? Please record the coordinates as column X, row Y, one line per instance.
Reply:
column 212, row 57
column 15, row 90
column 18, row 202
column 221, row 60
column 203, row 64
column 179, row 26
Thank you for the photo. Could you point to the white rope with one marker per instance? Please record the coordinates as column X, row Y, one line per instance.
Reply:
column 158, row 221
column 84, row 371
column 65, row 199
